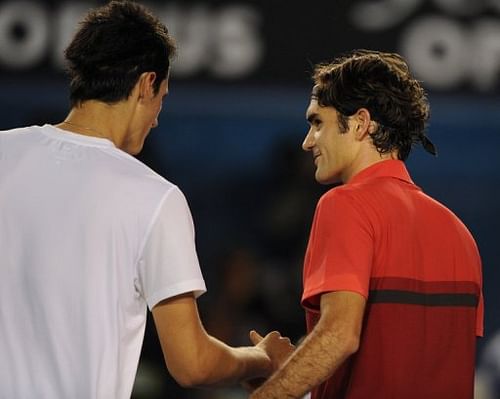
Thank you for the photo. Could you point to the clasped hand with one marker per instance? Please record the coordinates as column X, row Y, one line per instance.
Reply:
column 277, row 348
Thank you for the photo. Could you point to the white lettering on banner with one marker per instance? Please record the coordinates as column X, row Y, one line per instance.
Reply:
column 24, row 34
column 66, row 23
column 485, row 53
column 462, row 7
column 433, row 47
column 383, row 14
column 225, row 43
column 444, row 53
column 495, row 4
column 369, row 15
column 442, row 50
column 222, row 41
column 239, row 50
column 192, row 29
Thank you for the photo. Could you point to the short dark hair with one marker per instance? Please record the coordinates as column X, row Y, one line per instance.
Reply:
column 115, row 44
column 381, row 83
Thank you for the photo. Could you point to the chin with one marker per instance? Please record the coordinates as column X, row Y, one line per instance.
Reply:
column 133, row 149
column 136, row 150
column 327, row 179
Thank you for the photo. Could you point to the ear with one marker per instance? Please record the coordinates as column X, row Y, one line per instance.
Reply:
column 363, row 124
column 145, row 85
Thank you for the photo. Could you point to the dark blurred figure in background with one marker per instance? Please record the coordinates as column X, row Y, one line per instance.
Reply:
column 90, row 237
column 392, row 278
column 488, row 372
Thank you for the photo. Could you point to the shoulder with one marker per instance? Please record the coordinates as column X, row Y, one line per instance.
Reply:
column 127, row 170
column 15, row 132
column 18, row 142
column 343, row 203
column 349, row 204
column 377, row 195
column 132, row 165
column 341, row 196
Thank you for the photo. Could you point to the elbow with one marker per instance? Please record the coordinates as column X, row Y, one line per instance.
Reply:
column 190, row 370
column 351, row 345
column 192, row 377
column 198, row 374
column 187, row 382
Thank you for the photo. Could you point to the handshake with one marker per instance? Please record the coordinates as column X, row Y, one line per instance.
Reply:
column 276, row 348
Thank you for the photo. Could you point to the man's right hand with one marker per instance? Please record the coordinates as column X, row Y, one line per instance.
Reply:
column 278, row 348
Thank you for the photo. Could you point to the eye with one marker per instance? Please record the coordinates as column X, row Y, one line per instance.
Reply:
column 316, row 122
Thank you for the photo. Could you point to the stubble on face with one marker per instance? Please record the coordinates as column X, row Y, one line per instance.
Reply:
column 328, row 142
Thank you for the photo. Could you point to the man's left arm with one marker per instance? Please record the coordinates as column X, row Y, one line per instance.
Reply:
column 330, row 343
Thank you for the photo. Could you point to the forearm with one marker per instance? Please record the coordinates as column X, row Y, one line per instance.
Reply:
column 194, row 358
column 320, row 354
column 221, row 364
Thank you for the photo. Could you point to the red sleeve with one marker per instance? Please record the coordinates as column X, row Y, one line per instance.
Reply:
column 480, row 317
column 340, row 250
column 480, row 307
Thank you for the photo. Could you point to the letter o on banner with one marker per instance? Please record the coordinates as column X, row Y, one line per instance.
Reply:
column 461, row 7
column 29, row 46
column 495, row 4
column 436, row 49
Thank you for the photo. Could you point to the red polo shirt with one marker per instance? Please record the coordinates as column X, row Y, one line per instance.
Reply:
column 418, row 267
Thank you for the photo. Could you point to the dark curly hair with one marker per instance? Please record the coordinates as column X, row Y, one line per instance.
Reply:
column 115, row 44
column 381, row 83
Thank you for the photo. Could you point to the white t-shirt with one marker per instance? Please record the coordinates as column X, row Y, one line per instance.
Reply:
column 89, row 237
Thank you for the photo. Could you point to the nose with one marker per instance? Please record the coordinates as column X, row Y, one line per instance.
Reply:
column 155, row 123
column 308, row 143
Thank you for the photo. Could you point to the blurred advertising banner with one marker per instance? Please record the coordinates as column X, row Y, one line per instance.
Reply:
column 452, row 45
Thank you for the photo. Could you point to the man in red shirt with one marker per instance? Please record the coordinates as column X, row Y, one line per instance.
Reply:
column 392, row 278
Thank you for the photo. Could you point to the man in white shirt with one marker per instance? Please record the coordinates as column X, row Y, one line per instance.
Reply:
column 90, row 237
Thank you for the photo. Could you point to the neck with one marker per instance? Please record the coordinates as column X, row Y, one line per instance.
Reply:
column 97, row 119
column 365, row 160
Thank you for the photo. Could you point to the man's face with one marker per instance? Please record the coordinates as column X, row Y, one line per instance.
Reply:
column 148, row 119
column 333, row 150
column 156, row 104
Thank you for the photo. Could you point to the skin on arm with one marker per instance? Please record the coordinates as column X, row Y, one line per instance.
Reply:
column 194, row 358
column 330, row 343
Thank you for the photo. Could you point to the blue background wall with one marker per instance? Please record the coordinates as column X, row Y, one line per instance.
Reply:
column 219, row 144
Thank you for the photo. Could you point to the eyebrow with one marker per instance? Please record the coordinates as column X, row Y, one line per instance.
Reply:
column 311, row 117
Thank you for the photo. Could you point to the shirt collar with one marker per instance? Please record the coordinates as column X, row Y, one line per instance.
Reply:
column 387, row 168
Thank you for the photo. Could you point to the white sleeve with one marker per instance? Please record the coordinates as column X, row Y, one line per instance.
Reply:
column 169, row 264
